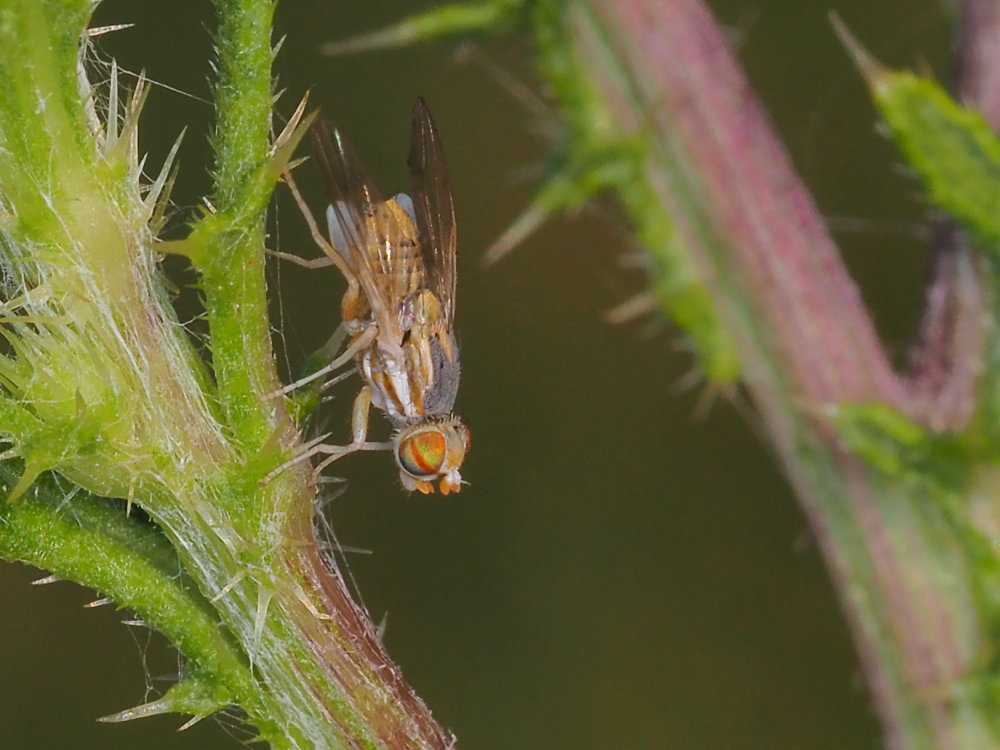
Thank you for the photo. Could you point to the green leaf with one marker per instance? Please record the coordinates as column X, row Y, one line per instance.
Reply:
column 902, row 449
column 92, row 542
column 952, row 149
column 443, row 21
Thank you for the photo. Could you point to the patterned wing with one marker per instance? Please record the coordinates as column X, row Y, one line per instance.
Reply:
column 434, row 207
column 372, row 235
column 353, row 196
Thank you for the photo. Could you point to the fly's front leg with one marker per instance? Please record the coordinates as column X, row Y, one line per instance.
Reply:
column 333, row 258
column 362, row 342
column 310, row 263
column 359, row 430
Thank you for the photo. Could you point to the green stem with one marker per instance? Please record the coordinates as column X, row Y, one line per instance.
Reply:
column 103, row 386
column 93, row 543
column 232, row 242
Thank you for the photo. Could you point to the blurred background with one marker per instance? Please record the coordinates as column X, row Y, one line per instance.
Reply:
column 625, row 569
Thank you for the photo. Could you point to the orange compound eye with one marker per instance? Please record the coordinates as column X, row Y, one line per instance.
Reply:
column 422, row 454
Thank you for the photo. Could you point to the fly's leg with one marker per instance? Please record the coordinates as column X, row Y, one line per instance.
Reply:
column 359, row 430
column 333, row 381
column 362, row 342
column 308, row 451
column 310, row 263
column 352, row 297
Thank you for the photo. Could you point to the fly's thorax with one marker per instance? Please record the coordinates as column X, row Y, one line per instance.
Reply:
column 431, row 450
column 380, row 247
column 422, row 311
column 394, row 254
column 396, row 212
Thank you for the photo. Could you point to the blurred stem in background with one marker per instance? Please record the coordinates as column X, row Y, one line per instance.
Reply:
column 897, row 471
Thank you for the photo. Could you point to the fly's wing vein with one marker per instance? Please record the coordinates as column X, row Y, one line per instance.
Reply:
column 371, row 236
column 434, row 208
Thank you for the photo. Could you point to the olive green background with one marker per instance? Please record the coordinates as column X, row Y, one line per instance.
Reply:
column 622, row 571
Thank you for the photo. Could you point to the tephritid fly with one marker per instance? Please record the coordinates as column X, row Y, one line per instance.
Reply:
column 398, row 257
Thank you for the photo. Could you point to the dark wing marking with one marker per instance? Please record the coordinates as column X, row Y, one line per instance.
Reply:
column 434, row 207
column 371, row 239
column 352, row 194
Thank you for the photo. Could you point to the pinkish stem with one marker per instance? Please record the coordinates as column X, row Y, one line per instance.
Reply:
column 947, row 363
column 705, row 112
column 806, row 341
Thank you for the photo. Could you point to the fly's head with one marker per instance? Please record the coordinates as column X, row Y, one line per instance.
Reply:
column 432, row 451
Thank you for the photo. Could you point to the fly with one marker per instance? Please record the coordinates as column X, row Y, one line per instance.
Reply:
column 398, row 257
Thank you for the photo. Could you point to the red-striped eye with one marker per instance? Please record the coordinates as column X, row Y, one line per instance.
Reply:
column 421, row 455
